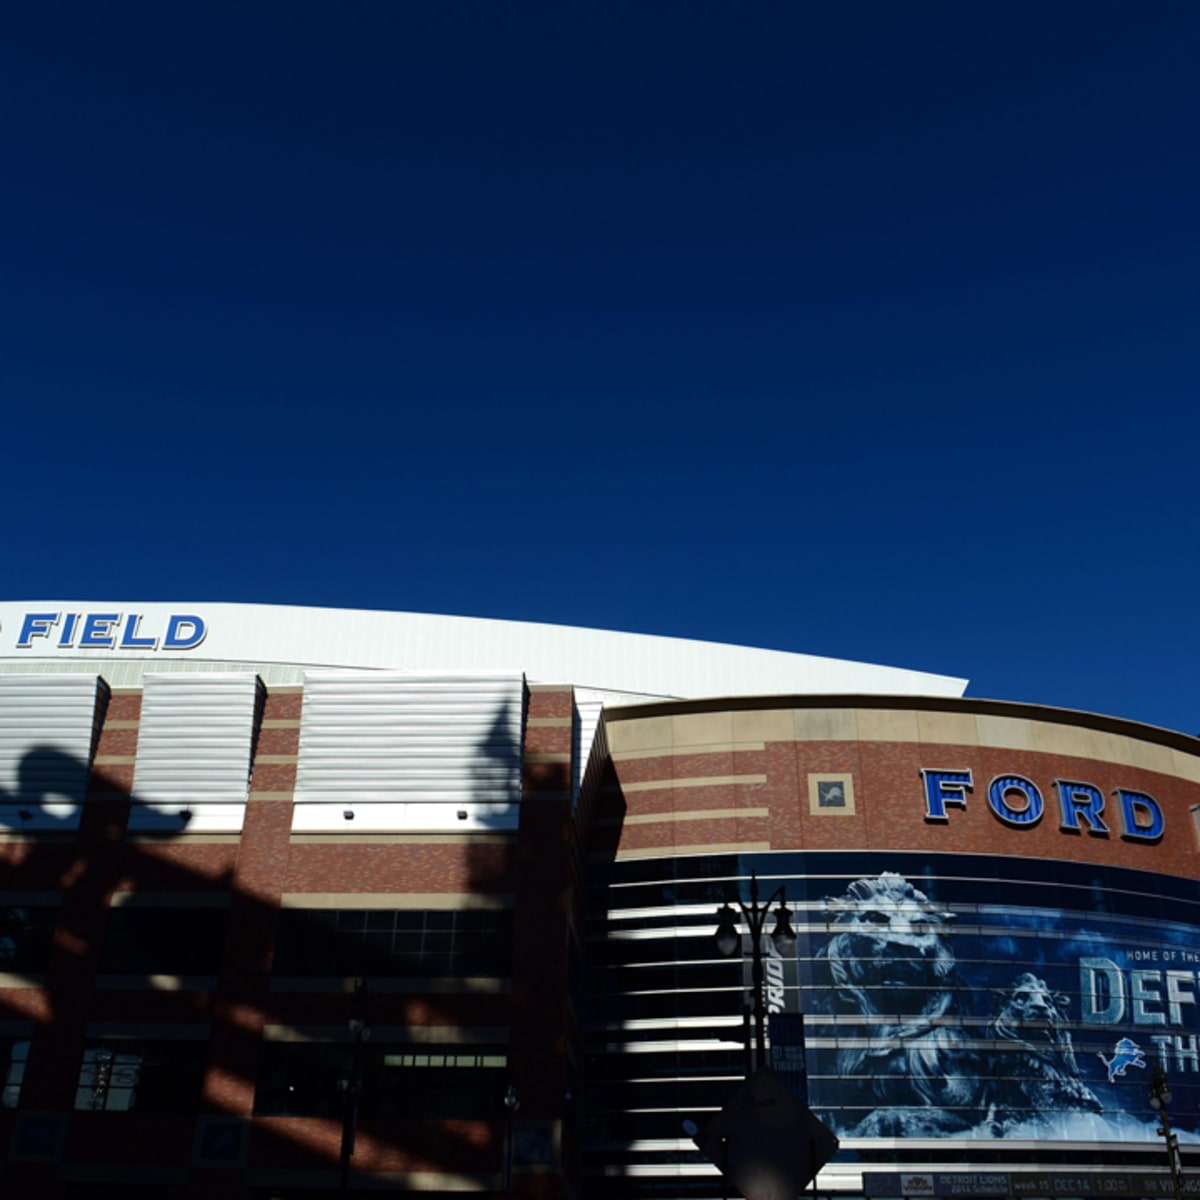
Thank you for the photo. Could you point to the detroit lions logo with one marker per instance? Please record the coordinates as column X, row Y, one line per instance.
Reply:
column 1126, row 1053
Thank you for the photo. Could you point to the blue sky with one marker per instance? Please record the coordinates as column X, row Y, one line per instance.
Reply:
column 867, row 330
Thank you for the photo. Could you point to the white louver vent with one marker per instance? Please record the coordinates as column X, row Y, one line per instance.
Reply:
column 588, row 707
column 47, row 732
column 193, row 755
column 399, row 751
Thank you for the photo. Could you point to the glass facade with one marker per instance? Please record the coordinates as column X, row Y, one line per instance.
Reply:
column 961, row 1011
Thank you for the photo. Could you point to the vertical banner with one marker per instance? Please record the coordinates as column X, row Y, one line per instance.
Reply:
column 786, row 1031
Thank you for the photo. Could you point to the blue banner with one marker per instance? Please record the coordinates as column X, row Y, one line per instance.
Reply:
column 996, row 1020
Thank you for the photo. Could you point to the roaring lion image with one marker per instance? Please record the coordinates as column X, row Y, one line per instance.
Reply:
column 890, row 964
column 1039, row 1072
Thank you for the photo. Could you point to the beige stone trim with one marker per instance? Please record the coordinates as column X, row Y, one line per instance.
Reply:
column 694, row 781
column 135, row 724
column 649, row 734
column 887, row 725
column 704, row 814
column 1187, row 766
column 668, row 752
column 550, row 722
column 1004, row 733
column 826, row 724
column 555, row 757
column 285, row 689
column 126, row 689
column 270, row 795
column 114, row 760
column 10, row 979
column 276, row 760
column 761, row 726
column 846, row 781
column 675, row 851
column 281, row 723
column 954, row 729
column 397, row 900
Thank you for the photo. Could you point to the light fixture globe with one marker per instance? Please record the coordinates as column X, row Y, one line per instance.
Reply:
column 729, row 941
column 783, row 935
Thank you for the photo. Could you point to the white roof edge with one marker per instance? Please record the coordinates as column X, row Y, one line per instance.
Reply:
column 644, row 665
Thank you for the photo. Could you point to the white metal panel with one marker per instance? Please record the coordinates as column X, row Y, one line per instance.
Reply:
column 47, row 732
column 636, row 664
column 193, row 755
column 352, row 817
column 403, row 739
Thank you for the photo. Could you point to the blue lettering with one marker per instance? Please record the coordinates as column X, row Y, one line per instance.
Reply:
column 130, row 639
column 942, row 788
column 36, row 625
column 1030, row 813
column 98, row 631
column 184, row 633
column 1141, row 818
column 68, row 630
column 1080, row 800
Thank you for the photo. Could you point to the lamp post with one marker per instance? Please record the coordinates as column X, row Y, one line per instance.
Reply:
column 1160, row 1098
column 103, row 1078
column 729, row 942
column 351, row 1087
column 512, row 1103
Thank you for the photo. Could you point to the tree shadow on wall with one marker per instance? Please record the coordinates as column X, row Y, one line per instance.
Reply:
column 96, row 987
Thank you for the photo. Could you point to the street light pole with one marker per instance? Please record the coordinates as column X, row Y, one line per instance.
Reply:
column 351, row 1088
column 1160, row 1098
column 512, row 1103
column 729, row 942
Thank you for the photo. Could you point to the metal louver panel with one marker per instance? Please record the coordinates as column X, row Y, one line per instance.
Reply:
column 47, row 731
column 413, row 750
column 193, row 754
column 588, row 707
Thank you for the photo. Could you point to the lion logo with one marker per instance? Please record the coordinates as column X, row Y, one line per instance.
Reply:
column 1039, row 1073
column 890, row 964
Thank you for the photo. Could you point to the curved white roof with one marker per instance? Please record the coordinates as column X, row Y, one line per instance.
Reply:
column 122, row 639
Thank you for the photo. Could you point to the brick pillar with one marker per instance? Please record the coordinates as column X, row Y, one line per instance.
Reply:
column 86, row 870
column 244, row 983
column 543, row 882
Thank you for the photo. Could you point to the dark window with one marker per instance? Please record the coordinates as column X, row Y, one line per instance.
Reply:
column 26, row 936
column 15, row 1053
column 123, row 1075
column 163, row 941
column 310, row 1079
column 375, row 943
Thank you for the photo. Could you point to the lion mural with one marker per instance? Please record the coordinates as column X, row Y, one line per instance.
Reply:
column 1035, row 1071
column 890, row 963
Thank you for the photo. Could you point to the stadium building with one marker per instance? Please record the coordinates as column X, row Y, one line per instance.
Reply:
column 303, row 903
